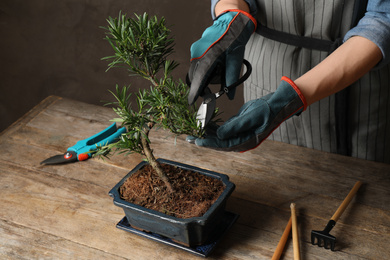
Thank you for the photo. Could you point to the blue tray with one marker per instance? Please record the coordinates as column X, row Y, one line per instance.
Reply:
column 203, row 250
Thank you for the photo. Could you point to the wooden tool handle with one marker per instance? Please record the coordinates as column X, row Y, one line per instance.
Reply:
column 346, row 201
column 295, row 232
column 279, row 249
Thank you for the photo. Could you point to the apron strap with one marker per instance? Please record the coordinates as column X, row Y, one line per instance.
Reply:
column 298, row 41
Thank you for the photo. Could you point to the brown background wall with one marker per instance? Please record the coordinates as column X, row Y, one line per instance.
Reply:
column 52, row 47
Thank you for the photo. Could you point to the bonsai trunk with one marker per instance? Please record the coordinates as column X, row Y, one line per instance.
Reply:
column 153, row 161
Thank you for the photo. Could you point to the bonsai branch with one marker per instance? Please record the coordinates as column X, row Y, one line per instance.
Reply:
column 152, row 160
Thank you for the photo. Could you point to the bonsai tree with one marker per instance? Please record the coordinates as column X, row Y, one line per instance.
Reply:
column 142, row 45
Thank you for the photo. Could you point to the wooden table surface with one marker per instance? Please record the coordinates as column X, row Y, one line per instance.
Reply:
column 64, row 211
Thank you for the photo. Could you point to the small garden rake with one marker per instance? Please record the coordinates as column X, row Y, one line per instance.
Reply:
column 323, row 238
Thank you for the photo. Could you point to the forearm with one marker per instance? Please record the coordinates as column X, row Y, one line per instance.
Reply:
column 223, row 5
column 340, row 69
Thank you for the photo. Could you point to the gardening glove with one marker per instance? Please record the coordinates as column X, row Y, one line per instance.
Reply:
column 220, row 52
column 257, row 119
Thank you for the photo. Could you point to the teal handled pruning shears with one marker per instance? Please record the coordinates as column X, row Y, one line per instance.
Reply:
column 207, row 108
column 83, row 149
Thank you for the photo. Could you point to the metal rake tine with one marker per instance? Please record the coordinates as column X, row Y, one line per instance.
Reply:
column 332, row 245
column 314, row 239
column 326, row 244
column 321, row 242
column 329, row 244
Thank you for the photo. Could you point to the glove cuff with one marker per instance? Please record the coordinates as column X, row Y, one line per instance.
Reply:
column 242, row 12
column 295, row 87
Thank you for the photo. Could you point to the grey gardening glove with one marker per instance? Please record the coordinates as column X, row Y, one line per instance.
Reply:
column 220, row 52
column 256, row 120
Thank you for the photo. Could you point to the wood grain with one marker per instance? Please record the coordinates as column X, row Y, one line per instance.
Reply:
column 64, row 211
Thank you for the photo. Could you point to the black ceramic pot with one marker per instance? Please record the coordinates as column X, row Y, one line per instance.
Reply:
column 192, row 231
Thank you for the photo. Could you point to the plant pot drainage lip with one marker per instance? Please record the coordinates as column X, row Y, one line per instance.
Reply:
column 229, row 187
column 201, row 250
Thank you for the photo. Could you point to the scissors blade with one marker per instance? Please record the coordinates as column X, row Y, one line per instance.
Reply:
column 67, row 157
column 201, row 115
column 206, row 109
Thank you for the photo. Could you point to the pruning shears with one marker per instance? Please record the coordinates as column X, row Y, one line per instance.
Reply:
column 207, row 108
column 83, row 149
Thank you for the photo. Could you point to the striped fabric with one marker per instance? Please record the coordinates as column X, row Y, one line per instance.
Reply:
column 369, row 98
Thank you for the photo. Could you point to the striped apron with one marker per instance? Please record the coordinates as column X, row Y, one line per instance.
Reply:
column 354, row 122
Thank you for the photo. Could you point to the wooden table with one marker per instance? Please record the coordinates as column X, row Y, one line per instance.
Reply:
column 64, row 211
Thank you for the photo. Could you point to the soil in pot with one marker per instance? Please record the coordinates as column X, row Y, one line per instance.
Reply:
column 193, row 194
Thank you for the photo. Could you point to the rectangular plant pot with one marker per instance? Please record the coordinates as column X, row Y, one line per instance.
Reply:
column 190, row 232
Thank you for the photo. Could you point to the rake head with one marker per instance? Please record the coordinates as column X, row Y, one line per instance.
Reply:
column 323, row 238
